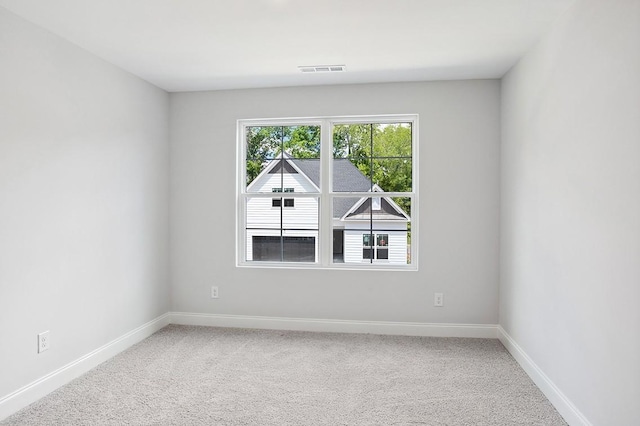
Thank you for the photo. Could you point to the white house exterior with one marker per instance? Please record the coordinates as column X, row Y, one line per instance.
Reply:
column 285, row 227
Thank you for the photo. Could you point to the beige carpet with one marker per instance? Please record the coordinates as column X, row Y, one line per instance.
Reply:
column 213, row 376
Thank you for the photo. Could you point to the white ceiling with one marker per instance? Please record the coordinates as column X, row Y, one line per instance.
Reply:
column 183, row 45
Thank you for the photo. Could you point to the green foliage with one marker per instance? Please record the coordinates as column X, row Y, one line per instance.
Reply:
column 267, row 143
column 351, row 140
column 261, row 142
column 302, row 142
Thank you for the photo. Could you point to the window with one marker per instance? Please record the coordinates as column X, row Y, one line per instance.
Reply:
column 375, row 246
column 277, row 202
column 351, row 185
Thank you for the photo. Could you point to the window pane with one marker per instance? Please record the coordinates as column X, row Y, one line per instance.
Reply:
column 266, row 248
column 265, row 146
column 287, row 175
column 366, row 235
column 302, row 142
column 278, row 233
column 261, row 146
column 299, row 249
column 372, row 154
column 391, row 140
column 351, row 175
column 351, row 141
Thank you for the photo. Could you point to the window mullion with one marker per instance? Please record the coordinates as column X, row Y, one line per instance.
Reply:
column 326, row 225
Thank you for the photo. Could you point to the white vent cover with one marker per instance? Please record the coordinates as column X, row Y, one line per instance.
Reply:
column 322, row 68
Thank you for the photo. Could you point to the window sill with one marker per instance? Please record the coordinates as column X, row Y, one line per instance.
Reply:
column 335, row 267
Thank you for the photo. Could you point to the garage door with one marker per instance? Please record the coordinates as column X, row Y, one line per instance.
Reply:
column 284, row 249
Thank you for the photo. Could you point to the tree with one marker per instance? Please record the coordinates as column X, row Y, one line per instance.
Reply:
column 266, row 143
column 351, row 140
column 261, row 144
column 302, row 141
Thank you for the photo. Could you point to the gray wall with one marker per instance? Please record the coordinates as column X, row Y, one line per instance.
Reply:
column 459, row 185
column 83, row 202
column 570, row 226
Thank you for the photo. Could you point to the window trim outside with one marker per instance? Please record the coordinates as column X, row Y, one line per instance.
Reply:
column 325, row 220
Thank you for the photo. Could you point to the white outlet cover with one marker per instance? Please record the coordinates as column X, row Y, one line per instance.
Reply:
column 44, row 342
column 438, row 299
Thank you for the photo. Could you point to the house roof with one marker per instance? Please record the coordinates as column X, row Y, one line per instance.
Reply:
column 386, row 212
column 347, row 178
column 350, row 179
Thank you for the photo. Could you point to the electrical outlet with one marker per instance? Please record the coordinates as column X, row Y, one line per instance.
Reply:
column 438, row 299
column 43, row 341
column 214, row 292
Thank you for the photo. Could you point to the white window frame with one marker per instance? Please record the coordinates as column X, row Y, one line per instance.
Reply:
column 325, row 196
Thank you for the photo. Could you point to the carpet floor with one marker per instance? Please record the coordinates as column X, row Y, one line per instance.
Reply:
column 185, row 375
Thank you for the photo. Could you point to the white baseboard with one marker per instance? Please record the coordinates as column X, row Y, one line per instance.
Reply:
column 337, row 326
column 30, row 393
column 571, row 414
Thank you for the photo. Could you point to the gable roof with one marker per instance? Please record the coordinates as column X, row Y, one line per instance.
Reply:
column 351, row 179
column 363, row 210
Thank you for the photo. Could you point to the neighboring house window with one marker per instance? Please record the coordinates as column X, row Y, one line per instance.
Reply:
column 375, row 246
column 277, row 202
column 355, row 193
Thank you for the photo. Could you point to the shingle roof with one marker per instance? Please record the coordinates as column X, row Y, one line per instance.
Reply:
column 350, row 178
column 346, row 178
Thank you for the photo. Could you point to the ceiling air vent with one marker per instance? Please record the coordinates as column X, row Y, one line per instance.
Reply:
column 322, row 68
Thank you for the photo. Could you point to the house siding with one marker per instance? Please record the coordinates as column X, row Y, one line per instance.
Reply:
column 304, row 214
column 397, row 242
